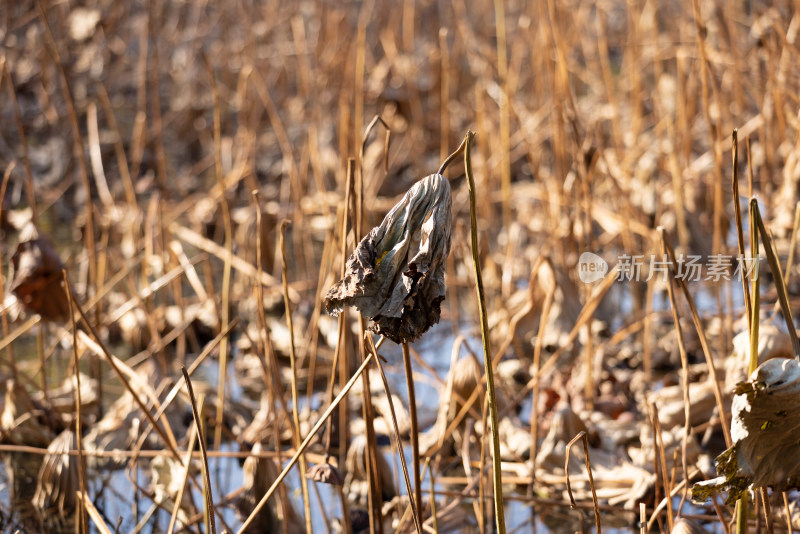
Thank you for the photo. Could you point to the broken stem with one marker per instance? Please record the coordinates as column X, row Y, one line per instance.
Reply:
column 454, row 155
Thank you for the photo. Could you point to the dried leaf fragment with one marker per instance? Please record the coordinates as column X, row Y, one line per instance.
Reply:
column 326, row 473
column 395, row 276
column 765, row 432
column 36, row 279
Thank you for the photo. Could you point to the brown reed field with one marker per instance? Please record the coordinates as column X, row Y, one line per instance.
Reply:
column 582, row 322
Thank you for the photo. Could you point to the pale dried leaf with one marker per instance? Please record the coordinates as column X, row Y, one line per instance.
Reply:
column 765, row 431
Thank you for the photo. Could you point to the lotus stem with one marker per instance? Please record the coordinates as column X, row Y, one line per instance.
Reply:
column 412, row 410
column 487, row 353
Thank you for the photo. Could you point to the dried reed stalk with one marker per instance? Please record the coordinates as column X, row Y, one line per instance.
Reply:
column 497, row 474
column 293, row 364
column 83, row 524
column 301, row 449
column 226, row 269
column 414, row 503
column 211, row 525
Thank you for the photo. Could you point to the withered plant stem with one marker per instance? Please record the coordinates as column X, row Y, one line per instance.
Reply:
column 211, row 525
column 164, row 433
column 373, row 473
column 755, row 305
column 537, row 362
column 452, row 156
column 777, row 273
column 415, row 510
column 368, row 412
column 661, row 461
column 505, row 118
column 176, row 387
column 434, row 519
column 737, row 210
column 82, row 519
column 582, row 436
column 792, row 247
column 269, row 364
column 293, row 364
column 497, row 474
column 226, row 268
column 96, row 516
column 712, row 370
column 153, row 72
column 341, row 361
column 687, row 405
column 481, row 513
column 444, row 94
column 412, row 411
column 78, row 148
column 787, row 512
column 119, row 148
column 301, row 449
column 764, row 492
column 187, row 463
column 12, row 363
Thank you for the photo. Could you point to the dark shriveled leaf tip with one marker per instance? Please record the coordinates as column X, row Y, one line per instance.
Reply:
column 395, row 276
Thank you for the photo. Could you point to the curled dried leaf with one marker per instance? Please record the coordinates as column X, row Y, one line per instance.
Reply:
column 36, row 280
column 58, row 476
column 395, row 276
column 326, row 473
column 765, row 432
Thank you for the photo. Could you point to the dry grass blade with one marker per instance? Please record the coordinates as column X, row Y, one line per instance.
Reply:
column 737, row 210
column 684, row 363
column 775, row 268
column 83, row 524
column 94, row 513
column 211, row 524
column 226, row 269
column 293, row 365
column 415, row 505
column 582, row 436
column 177, row 387
column 125, row 377
column 301, row 449
column 186, row 466
column 712, row 370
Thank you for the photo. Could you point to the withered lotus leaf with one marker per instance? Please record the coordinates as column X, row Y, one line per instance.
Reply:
column 765, row 434
column 36, row 278
column 395, row 276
